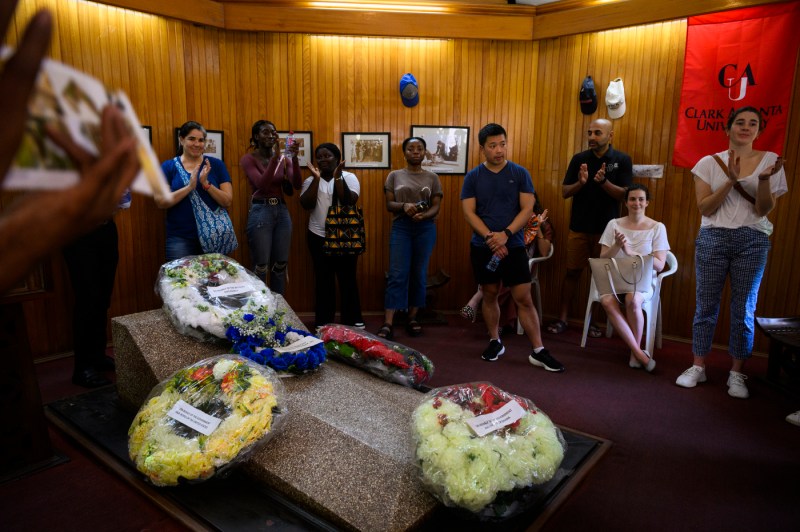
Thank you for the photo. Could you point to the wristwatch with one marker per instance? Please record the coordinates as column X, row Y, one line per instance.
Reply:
column 508, row 232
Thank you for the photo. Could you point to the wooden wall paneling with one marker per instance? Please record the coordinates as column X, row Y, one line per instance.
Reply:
column 605, row 15
column 387, row 91
column 678, row 191
column 71, row 38
column 451, row 224
column 786, row 293
column 501, row 95
column 526, row 101
column 193, row 92
column 545, row 145
column 179, row 66
column 645, row 86
column 561, row 101
column 207, row 12
column 174, row 71
column 360, row 22
column 780, row 292
column 233, row 122
column 554, row 77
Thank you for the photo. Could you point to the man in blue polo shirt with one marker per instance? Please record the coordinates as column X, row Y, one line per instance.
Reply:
column 497, row 199
column 595, row 180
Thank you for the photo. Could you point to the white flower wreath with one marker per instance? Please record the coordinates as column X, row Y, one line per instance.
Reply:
column 199, row 292
column 468, row 470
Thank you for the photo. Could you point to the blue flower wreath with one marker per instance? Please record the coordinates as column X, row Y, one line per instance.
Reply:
column 299, row 362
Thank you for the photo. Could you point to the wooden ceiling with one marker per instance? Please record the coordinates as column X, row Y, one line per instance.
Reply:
column 468, row 19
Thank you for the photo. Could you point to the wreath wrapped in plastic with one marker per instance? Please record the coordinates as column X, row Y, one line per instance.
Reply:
column 272, row 342
column 205, row 418
column 479, row 447
column 388, row 360
column 200, row 291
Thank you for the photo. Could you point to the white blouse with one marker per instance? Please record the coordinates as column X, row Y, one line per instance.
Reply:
column 736, row 211
column 642, row 242
column 316, row 223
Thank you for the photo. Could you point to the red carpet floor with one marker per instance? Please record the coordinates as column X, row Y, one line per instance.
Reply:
column 682, row 459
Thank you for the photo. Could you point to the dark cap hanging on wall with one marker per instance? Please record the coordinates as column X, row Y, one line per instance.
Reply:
column 409, row 90
column 588, row 96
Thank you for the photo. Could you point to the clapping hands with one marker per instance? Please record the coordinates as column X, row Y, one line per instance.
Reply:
column 772, row 170
column 543, row 218
column 600, row 176
column 622, row 242
column 734, row 167
column 204, row 169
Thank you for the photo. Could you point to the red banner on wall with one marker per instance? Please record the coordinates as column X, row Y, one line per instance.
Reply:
column 733, row 59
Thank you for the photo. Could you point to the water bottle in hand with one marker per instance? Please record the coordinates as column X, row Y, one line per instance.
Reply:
column 494, row 262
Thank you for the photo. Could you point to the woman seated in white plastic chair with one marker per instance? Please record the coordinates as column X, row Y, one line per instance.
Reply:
column 634, row 234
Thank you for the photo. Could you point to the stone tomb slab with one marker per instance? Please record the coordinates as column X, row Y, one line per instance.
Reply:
column 345, row 450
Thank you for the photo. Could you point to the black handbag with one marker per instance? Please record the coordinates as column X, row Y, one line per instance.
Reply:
column 344, row 230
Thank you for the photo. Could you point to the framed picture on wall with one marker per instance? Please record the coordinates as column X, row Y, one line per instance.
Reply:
column 447, row 148
column 366, row 150
column 214, row 143
column 148, row 131
column 304, row 139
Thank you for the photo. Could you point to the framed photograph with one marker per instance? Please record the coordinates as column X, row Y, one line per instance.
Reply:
column 448, row 148
column 214, row 143
column 303, row 138
column 366, row 150
column 148, row 131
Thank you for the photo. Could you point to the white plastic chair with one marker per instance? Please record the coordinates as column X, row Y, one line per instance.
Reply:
column 651, row 308
column 537, row 293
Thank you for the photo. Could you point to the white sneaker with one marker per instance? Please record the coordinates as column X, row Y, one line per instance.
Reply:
column 736, row 386
column 794, row 418
column 691, row 377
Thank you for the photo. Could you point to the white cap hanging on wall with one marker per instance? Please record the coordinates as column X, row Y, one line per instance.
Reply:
column 615, row 99
column 409, row 90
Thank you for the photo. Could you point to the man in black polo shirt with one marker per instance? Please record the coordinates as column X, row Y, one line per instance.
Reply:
column 595, row 180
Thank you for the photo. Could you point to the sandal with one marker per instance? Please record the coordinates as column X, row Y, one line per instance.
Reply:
column 386, row 331
column 468, row 313
column 413, row 328
column 595, row 332
column 557, row 327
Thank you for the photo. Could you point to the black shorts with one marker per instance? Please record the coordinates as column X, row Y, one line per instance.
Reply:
column 513, row 269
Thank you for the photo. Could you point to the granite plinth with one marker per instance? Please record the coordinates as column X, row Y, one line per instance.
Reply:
column 345, row 451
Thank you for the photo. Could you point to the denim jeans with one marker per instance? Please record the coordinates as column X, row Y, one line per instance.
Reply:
column 269, row 233
column 410, row 247
column 178, row 247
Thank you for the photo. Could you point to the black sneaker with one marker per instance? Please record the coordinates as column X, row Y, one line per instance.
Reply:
column 544, row 360
column 494, row 351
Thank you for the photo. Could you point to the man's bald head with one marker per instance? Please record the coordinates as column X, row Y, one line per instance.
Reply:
column 600, row 135
column 602, row 123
